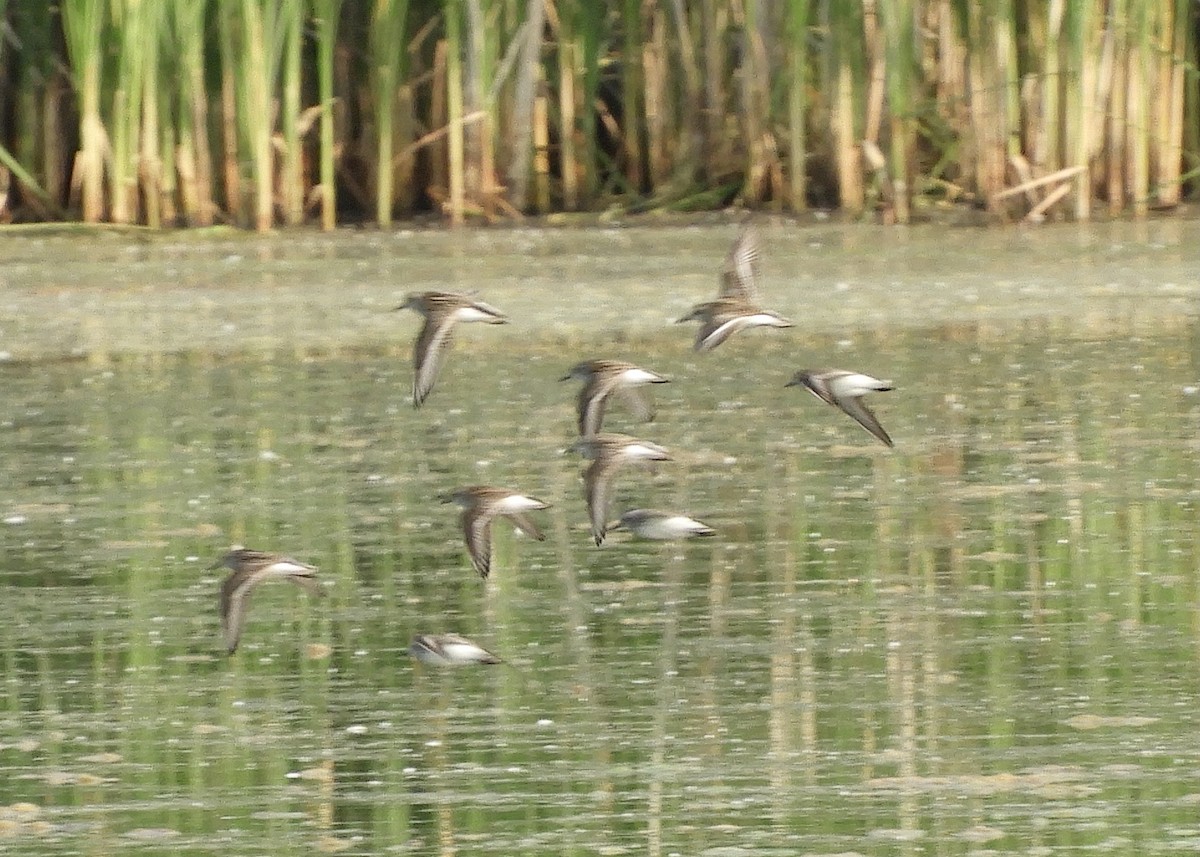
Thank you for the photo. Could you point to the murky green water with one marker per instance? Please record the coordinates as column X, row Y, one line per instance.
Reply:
column 985, row 641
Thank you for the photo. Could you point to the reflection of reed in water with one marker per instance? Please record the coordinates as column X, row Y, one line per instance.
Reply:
column 578, row 646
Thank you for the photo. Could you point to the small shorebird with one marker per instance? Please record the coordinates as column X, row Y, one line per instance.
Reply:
column 608, row 452
column 845, row 390
column 725, row 316
column 446, row 650
column 481, row 503
column 601, row 378
column 663, row 526
column 739, row 271
column 249, row 569
column 442, row 310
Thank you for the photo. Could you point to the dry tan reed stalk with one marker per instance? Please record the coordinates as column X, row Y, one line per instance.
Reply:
column 438, row 118
column 1138, row 110
column 1038, row 212
column 797, row 24
column 567, row 98
column 1056, row 176
column 1115, row 150
column 654, row 98
column 541, row 154
column 690, row 104
column 1047, row 150
column 1173, row 65
column 839, row 22
column 1083, row 116
column 525, row 92
column 229, row 118
column 633, row 108
column 454, row 109
column 756, row 82
column 715, row 18
column 475, row 57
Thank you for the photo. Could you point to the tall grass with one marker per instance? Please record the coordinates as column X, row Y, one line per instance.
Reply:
column 199, row 110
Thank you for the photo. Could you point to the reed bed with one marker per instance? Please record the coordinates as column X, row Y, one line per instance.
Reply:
column 268, row 113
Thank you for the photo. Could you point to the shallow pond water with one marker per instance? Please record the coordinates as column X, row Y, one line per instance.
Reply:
column 984, row 640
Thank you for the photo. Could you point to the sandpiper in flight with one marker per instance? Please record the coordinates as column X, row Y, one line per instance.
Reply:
column 481, row 503
column 722, row 318
column 845, row 390
column 442, row 310
column 608, row 452
column 449, row 650
column 663, row 526
column 249, row 569
column 601, row 379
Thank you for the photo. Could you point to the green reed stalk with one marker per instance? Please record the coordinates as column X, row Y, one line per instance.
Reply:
column 590, row 24
column 230, row 133
column 136, row 60
column 1140, row 76
column 155, row 146
column 845, row 68
column 327, row 14
column 387, row 64
column 899, row 39
column 34, row 83
column 258, row 38
column 797, row 41
column 290, row 24
column 1048, row 151
column 82, row 28
column 194, row 156
column 26, row 180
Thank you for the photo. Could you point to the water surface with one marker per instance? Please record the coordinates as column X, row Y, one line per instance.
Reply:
column 983, row 641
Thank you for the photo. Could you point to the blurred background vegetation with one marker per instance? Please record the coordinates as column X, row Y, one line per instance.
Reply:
column 264, row 113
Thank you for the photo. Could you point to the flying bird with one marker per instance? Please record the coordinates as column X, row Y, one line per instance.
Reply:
column 845, row 390
column 662, row 526
column 249, row 569
column 607, row 453
column 481, row 503
column 441, row 310
column 603, row 378
column 449, row 650
column 722, row 318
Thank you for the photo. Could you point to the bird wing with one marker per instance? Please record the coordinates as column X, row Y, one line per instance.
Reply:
column 235, row 590
column 638, row 402
column 858, row 409
column 525, row 524
column 739, row 272
column 477, row 530
column 716, row 330
column 427, row 354
column 598, row 491
column 591, row 405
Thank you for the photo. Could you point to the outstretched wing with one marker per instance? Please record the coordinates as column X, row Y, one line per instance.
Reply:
column 739, row 272
column 428, row 352
column 525, row 524
column 477, row 530
column 598, row 491
column 716, row 330
column 858, row 409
